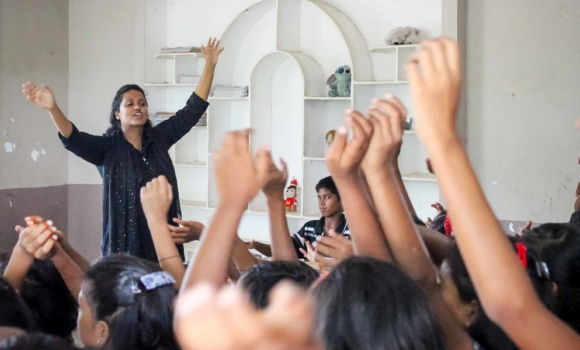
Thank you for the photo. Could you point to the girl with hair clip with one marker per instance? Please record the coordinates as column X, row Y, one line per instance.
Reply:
column 131, row 153
column 505, row 290
column 127, row 303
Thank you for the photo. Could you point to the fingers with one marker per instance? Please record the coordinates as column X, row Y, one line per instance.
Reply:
column 263, row 160
column 453, row 55
column 337, row 146
column 412, row 69
column 33, row 220
column 285, row 170
column 46, row 248
column 304, row 252
column 175, row 230
column 437, row 51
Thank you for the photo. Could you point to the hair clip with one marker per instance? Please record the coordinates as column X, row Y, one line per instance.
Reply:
column 135, row 288
column 448, row 227
column 157, row 279
column 522, row 253
column 542, row 270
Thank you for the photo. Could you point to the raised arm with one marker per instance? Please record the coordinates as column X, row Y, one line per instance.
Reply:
column 211, row 54
column 156, row 199
column 44, row 97
column 505, row 290
column 239, row 177
column 343, row 161
column 405, row 243
column 282, row 246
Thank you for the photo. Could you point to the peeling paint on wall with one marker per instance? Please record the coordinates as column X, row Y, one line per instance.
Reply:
column 34, row 155
column 8, row 147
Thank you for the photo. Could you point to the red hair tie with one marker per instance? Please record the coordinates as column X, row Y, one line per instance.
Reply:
column 448, row 227
column 522, row 253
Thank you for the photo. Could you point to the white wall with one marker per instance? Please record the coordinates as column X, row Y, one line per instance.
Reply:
column 523, row 86
column 106, row 43
column 33, row 46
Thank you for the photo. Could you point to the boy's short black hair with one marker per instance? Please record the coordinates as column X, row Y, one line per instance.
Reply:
column 328, row 183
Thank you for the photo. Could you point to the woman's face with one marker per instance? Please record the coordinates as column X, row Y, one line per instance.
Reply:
column 93, row 333
column 133, row 110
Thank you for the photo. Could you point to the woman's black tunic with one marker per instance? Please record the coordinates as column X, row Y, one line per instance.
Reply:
column 125, row 170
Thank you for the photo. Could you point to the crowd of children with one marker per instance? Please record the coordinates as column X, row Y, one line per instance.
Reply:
column 385, row 280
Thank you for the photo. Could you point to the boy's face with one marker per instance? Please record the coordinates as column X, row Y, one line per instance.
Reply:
column 328, row 203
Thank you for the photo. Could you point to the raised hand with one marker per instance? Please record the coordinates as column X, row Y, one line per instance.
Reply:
column 211, row 51
column 38, row 239
column 387, row 117
column 43, row 97
column 309, row 253
column 437, row 206
column 285, row 324
column 277, row 178
column 336, row 246
column 344, row 158
column 435, row 88
column 239, row 175
column 187, row 231
column 156, row 199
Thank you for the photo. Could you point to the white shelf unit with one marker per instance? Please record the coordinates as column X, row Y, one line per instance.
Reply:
column 288, row 107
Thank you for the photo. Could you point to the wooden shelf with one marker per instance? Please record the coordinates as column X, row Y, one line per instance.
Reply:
column 171, row 56
column 168, row 84
column 191, row 165
column 392, row 48
column 423, row 177
column 193, row 204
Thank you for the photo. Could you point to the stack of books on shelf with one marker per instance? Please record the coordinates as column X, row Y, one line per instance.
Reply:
column 162, row 116
column 202, row 121
column 230, row 91
column 180, row 49
column 189, row 79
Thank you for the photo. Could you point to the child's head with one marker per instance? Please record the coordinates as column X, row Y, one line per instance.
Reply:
column 461, row 296
column 54, row 309
column 259, row 281
column 13, row 310
column 365, row 303
column 559, row 246
column 118, row 312
column 328, row 197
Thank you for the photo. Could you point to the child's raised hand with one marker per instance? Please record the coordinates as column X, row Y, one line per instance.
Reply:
column 43, row 97
column 156, row 198
column 387, row 117
column 335, row 246
column 435, row 76
column 211, row 51
column 239, row 176
column 38, row 239
column 276, row 179
column 344, row 157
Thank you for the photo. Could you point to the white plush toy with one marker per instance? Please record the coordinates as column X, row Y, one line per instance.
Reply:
column 405, row 36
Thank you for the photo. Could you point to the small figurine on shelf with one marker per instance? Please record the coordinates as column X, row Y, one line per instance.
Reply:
column 291, row 203
column 339, row 82
column 409, row 124
column 329, row 137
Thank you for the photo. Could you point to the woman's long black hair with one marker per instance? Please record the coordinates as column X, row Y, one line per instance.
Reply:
column 116, row 106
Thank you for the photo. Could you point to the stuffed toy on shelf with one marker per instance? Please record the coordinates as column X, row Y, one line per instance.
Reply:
column 405, row 36
column 339, row 82
column 291, row 203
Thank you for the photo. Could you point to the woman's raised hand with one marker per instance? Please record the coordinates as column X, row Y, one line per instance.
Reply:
column 43, row 97
column 211, row 51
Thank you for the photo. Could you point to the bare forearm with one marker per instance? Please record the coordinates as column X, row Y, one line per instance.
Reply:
column 367, row 237
column 204, row 87
column 477, row 230
column 75, row 256
column 403, row 190
column 71, row 273
column 242, row 257
column 167, row 253
column 18, row 267
column 61, row 122
column 402, row 237
column 210, row 264
column 282, row 247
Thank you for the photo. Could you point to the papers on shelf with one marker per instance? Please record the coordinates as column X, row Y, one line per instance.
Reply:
column 180, row 49
column 189, row 79
column 230, row 91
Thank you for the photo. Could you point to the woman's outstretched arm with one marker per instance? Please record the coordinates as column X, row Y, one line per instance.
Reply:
column 44, row 97
column 211, row 54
